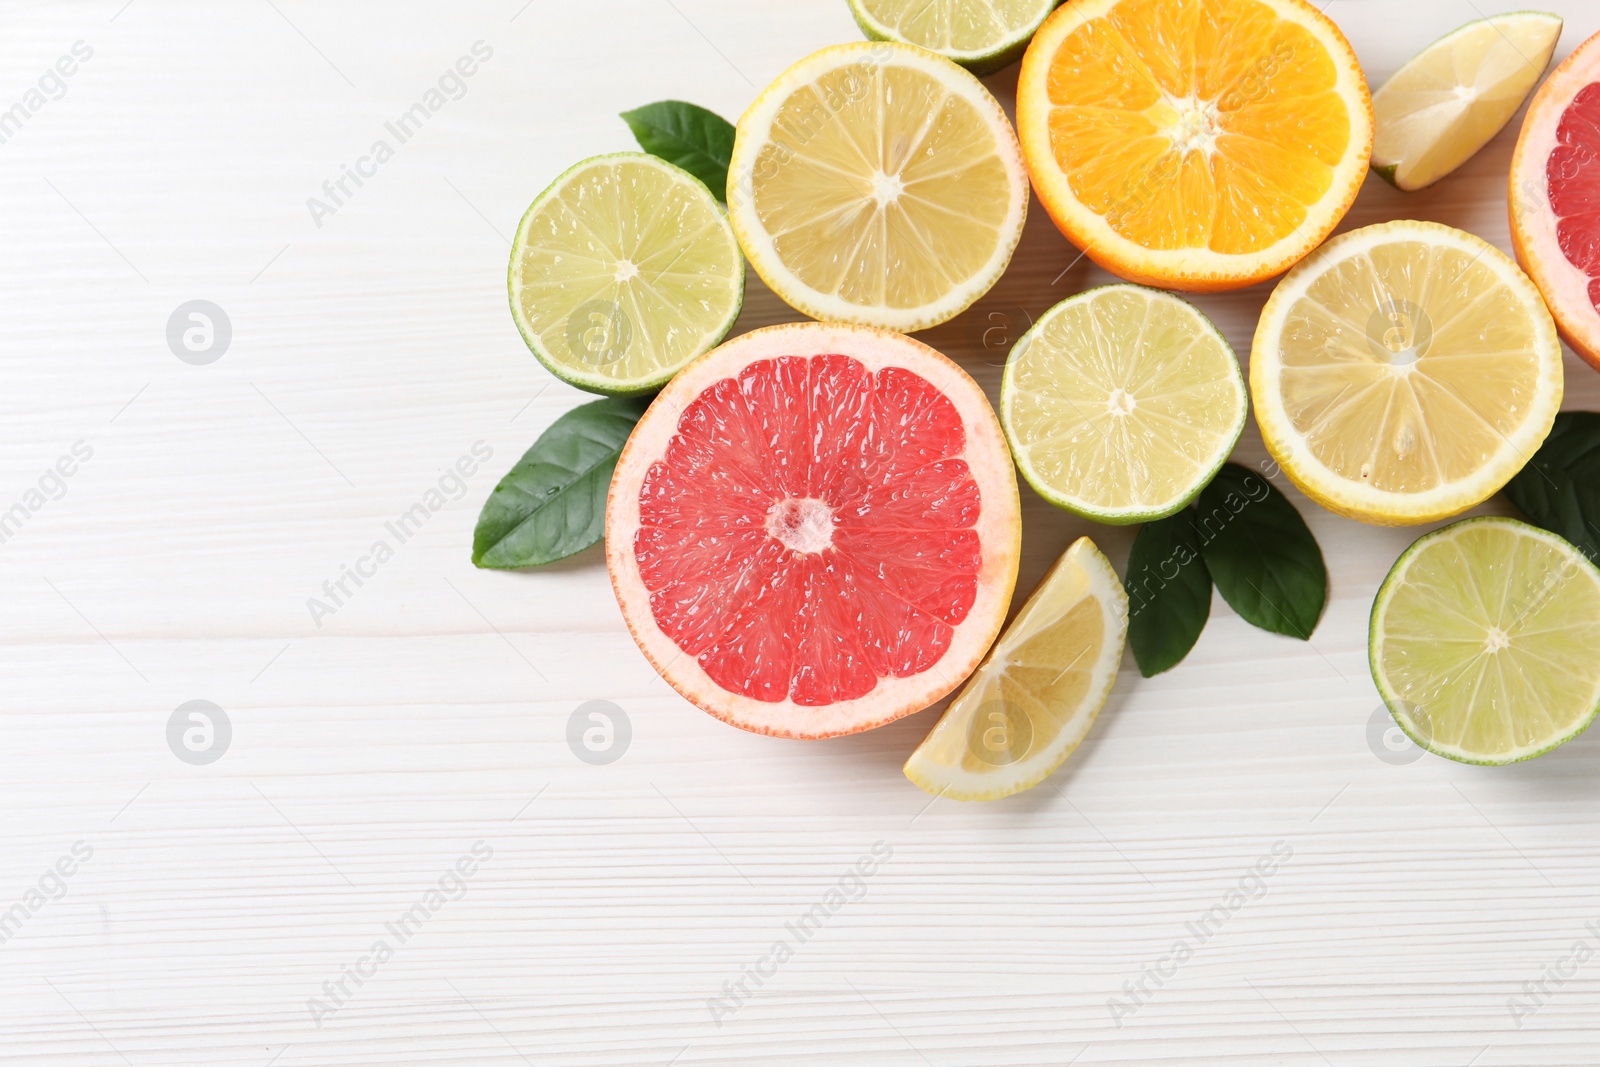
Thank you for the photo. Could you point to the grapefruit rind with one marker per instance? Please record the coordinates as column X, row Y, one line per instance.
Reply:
column 754, row 131
column 1533, row 224
column 939, row 777
column 998, row 528
column 1366, row 503
column 1189, row 269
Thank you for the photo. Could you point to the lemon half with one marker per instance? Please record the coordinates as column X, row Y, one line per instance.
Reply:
column 1404, row 372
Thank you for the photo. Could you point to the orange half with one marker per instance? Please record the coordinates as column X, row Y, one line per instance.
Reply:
column 1194, row 144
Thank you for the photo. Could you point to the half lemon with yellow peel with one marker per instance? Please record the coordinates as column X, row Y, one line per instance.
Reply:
column 877, row 184
column 1404, row 372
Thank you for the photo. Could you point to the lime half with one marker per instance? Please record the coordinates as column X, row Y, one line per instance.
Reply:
column 981, row 35
column 1483, row 641
column 1447, row 102
column 1121, row 403
column 624, row 270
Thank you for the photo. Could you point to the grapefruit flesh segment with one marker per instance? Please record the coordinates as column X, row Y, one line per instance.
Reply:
column 1573, row 177
column 810, row 529
column 814, row 529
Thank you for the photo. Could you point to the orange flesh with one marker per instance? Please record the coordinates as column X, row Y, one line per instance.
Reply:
column 1197, row 123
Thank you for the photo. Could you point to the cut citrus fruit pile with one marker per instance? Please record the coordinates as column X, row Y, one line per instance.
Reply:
column 1035, row 697
column 1447, row 102
column 814, row 529
column 1555, row 197
column 1121, row 403
column 1404, row 373
column 1193, row 145
column 981, row 35
column 1483, row 641
column 623, row 270
column 877, row 184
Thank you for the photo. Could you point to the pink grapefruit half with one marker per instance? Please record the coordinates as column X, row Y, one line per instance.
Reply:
column 1555, row 197
column 814, row 529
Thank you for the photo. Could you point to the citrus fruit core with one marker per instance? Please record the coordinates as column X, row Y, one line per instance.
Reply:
column 815, row 531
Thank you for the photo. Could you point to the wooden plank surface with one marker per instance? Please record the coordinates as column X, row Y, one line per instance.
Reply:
column 610, row 910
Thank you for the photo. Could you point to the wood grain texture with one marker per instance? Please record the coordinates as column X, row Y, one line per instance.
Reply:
column 430, row 711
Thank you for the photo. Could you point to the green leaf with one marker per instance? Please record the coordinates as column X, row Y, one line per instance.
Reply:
column 1261, row 554
column 1559, row 489
column 1169, row 592
column 699, row 141
column 553, row 503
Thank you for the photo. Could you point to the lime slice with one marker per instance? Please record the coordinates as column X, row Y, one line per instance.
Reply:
column 1452, row 97
column 1483, row 640
column 624, row 270
column 981, row 35
column 1121, row 403
column 1033, row 699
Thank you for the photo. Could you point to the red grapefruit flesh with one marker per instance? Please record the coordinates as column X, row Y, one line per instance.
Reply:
column 1555, row 197
column 814, row 529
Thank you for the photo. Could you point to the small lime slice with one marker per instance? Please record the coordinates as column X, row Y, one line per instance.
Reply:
column 1030, row 703
column 1121, row 403
column 981, row 35
column 1483, row 639
column 1452, row 97
column 624, row 270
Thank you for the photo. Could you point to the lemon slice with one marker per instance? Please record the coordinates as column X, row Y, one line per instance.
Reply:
column 624, row 270
column 1483, row 640
column 1404, row 372
column 877, row 184
column 1452, row 97
column 981, row 35
column 1121, row 403
column 1033, row 699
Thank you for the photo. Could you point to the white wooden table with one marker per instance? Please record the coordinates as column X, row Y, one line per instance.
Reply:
column 227, row 912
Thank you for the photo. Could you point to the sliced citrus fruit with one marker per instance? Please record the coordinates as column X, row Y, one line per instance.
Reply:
column 622, row 271
column 879, row 184
column 1033, row 700
column 1404, row 373
column 1482, row 641
column 814, row 529
column 981, row 35
column 1555, row 197
column 1435, row 112
column 1193, row 145
column 1121, row 403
